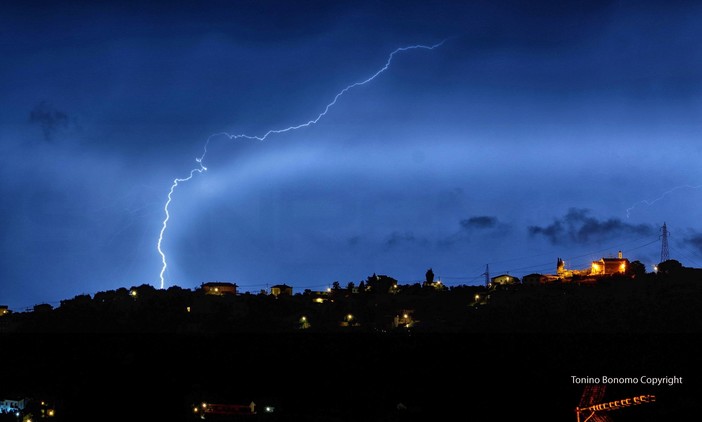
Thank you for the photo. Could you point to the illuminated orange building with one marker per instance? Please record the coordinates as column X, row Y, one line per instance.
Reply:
column 218, row 288
column 601, row 267
column 610, row 266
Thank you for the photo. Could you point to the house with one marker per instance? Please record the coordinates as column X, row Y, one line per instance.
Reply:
column 281, row 289
column 320, row 297
column 504, row 280
column 218, row 288
column 404, row 319
column 536, row 279
column 609, row 266
column 43, row 307
column 533, row 279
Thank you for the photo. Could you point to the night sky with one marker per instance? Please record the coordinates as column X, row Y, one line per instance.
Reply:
column 537, row 130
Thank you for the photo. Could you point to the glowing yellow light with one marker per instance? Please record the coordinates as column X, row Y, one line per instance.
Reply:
column 405, row 316
column 204, row 405
column 133, row 293
column 51, row 412
column 216, row 289
column 328, row 289
column 187, row 308
column 195, row 409
column 477, row 297
column 349, row 317
column 303, row 319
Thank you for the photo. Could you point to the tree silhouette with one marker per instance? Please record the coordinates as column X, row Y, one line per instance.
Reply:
column 670, row 266
column 637, row 269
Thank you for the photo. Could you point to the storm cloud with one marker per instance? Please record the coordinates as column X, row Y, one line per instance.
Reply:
column 577, row 226
column 482, row 226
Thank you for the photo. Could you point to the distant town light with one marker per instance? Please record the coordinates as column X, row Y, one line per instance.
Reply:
column 133, row 293
column 303, row 318
column 269, row 409
column 405, row 316
column 187, row 308
column 477, row 297
column 51, row 412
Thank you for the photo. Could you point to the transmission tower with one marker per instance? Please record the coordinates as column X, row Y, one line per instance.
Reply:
column 665, row 255
column 487, row 275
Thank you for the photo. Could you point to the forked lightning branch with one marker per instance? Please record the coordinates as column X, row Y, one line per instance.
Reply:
column 201, row 168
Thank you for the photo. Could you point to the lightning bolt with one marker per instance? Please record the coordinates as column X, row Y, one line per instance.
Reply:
column 663, row 195
column 201, row 168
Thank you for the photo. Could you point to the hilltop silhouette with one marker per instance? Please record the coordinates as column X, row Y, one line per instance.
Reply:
column 667, row 301
column 377, row 351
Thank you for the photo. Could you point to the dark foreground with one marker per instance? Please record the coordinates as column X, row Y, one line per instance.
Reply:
column 348, row 377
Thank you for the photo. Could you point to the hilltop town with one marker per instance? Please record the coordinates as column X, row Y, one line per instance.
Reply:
column 378, row 350
column 613, row 295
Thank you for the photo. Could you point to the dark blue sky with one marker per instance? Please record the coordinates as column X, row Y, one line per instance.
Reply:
column 538, row 130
